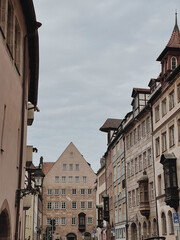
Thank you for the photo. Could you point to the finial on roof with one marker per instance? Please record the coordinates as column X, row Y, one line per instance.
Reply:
column 176, row 25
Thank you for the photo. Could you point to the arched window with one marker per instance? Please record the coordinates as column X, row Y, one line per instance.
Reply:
column 149, row 229
column 173, row 63
column 170, row 222
column 163, row 222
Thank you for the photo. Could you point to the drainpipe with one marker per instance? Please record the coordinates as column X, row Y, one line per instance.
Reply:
column 22, row 139
column 154, row 171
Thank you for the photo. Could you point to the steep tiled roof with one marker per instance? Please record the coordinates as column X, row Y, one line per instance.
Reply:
column 47, row 166
column 110, row 124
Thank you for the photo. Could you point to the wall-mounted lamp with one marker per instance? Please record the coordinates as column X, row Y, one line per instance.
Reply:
column 36, row 175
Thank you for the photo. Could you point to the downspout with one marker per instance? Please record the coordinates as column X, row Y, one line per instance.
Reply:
column 22, row 140
column 154, row 172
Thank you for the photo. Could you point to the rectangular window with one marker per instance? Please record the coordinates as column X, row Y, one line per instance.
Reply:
column 148, row 124
column 74, row 191
column 77, row 167
column 128, row 169
column 132, row 167
column 83, row 205
column 135, row 136
column 136, row 165
column 63, row 179
column 171, row 100
column 56, row 179
column 17, row 45
column 77, row 179
column 133, row 198
column 149, row 157
column 84, row 179
column 64, row 166
column 89, row 205
column 73, row 205
column 157, row 115
column 49, row 192
column 145, row 160
column 127, row 142
column 56, row 192
column 48, row 221
column 159, row 185
column 89, row 191
column 139, row 132
column 82, row 191
column 152, row 190
column 73, row 221
column 164, row 107
column 164, row 144
column 56, row 205
column 63, row 191
column 131, row 139
column 137, row 196
column 49, row 205
column 71, row 167
column 130, row 202
column 143, row 128
column 10, row 28
column 171, row 136
column 178, row 92
column 56, row 221
column 140, row 163
column 157, row 143
column 3, row 15
column 90, row 221
column 70, row 179
column 63, row 205
column 63, row 221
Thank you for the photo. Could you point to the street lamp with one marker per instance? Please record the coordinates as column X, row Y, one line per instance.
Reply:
column 34, row 174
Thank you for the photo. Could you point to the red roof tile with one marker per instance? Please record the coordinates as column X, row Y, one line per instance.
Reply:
column 47, row 166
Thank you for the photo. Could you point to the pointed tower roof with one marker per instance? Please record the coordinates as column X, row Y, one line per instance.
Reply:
column 174, row 41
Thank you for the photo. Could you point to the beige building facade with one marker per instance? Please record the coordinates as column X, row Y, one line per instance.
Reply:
column 19, row 61
column 69, row 196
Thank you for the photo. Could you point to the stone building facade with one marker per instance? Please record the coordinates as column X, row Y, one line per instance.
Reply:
column 69, row 196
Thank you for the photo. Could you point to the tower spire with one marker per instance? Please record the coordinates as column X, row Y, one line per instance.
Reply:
column 175, row 37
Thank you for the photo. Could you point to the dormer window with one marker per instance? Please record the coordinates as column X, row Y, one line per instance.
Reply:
column 173, row 63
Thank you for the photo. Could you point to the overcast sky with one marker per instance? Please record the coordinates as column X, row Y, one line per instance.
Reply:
column 92, row 53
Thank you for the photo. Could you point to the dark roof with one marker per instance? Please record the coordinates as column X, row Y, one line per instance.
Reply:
column 174, row 42
column 33, row 47
column 110, row 124
column 140, row 90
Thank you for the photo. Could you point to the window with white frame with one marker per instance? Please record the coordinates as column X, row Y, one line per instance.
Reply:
column 84, row 179
column 56, row 179
column 48, row 221
column 49, row 205
column 89, row 205
column 148, row 124
column 63, row 205
column 63, row 191
column 56, row 192
column 70, row 166
column 82, row 191
column 70, row 179
column 120, row 214
column 116, row 216
column 63, row 221
column 171, row 136
column 73, row 221
column 173, row 63
column 77, row 167
column 90, row 221
column 157, row 115
column 63, row 179
column 164, row 142
column 56, row 221
column 64, row 166
column 56, row 205
column 49, row 192
column 171, row 100
column 74, row 205
column 157, row 146
column 140, row 163
column 136, row 165
column 77, row 179
column 89, row 191
column 83, row 205
column 74, row 191
column 164, row 107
